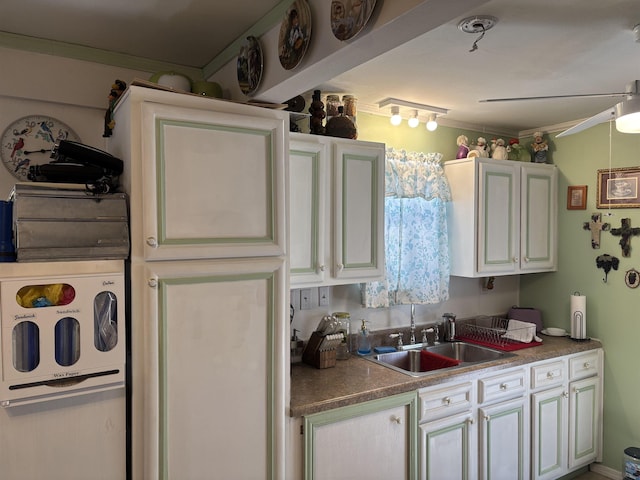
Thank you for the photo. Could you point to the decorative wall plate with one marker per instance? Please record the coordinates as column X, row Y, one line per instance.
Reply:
column 249, row 66
column 632, row 278
column 28, row 141
column 295, row 34
column 348, row 17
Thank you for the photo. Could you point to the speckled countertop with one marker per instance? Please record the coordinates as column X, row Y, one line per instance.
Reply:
column 357, row 380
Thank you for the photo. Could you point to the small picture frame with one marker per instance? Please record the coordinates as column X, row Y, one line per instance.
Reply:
column 577, row 197
column 619, row 188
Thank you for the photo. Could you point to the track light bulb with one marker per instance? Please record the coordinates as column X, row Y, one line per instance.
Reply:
column 431, row 123
column 396, row 119
column 413, row 120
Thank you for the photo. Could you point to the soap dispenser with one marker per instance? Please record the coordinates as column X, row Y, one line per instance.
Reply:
column 364, row 341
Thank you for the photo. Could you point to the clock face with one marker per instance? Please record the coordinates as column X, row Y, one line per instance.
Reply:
column 28, row 141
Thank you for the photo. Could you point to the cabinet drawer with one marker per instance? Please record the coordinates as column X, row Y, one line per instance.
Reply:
column 441, row 402
column 502, row 387
column 584, row 365
column 548, row 374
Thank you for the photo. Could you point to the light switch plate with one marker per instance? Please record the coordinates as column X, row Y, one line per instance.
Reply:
column 323, row 296
column 305, row 299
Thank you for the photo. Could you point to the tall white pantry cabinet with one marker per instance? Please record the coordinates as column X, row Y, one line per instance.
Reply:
column 209, row 289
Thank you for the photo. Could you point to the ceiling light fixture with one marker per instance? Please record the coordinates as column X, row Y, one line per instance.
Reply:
column 432, row 124
column 396, row 119
column 412, row 112
column 413, row 119
column 628, row 116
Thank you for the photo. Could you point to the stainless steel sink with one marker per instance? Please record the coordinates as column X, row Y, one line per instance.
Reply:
column 410, row 362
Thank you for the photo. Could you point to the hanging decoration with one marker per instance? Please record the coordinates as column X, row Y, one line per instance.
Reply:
column 596, row 226
column 607, row 262
column 625, row 232
column 632, row 278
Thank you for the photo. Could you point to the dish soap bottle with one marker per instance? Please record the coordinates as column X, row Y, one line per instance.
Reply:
column 364, row 342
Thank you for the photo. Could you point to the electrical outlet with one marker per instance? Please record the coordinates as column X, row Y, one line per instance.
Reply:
column 323, row 296
column 305, row 299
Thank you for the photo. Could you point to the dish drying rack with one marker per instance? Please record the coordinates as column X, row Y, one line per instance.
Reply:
column 486, row 330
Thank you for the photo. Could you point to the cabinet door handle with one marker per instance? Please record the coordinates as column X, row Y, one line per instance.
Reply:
column 503, row 386
column 446, row 401
column 152, row 242
column 526, row 259
column 469, row 421
column 587, row 365
column 340, row 267
column 397, row 420
column 152, row 282
column 487, row 418
column 321, row 268
column 515, row 259
column 565, row 394
column 549, row 374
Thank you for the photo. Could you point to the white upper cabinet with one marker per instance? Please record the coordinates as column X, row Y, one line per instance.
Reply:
column 212, row 176
column 336, row 210
column 502, row 218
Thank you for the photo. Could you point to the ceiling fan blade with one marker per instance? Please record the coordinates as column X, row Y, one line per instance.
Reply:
column 607, row 115
column 551, row 97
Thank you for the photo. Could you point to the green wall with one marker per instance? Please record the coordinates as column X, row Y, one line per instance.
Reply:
column 612, row 308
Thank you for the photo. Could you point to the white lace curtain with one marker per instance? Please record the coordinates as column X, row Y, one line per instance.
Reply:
column 416, row 240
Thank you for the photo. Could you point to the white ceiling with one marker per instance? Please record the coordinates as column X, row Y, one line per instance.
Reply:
column 538, row 47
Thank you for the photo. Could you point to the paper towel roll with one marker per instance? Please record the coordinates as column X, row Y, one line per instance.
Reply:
column 578, row 316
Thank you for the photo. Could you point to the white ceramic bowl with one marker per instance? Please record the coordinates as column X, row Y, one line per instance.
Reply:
column 556, row 332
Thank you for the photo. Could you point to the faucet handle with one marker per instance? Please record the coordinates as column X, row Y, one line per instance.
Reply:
column 399, row 337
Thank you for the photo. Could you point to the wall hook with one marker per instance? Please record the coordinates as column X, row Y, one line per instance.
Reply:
column 607, row 262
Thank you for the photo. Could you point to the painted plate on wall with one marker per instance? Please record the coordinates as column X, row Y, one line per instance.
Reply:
column 348, row 17
column 250, row 65
column 295, row 34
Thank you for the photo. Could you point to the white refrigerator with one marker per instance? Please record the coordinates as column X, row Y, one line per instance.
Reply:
column 62, row 385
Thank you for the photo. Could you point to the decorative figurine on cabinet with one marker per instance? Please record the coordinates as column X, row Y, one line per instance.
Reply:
column 500, row 151
column 513, row 149
column 463, row 146
column 539, row 148
column 482, row 147
column 317, row 114
column 117, row 89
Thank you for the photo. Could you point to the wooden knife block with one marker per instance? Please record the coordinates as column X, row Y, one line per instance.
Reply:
column 313, row 356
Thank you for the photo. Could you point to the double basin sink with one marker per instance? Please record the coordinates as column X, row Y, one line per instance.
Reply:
column 420, row 361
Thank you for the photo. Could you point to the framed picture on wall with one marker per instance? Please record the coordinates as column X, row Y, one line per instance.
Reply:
column 618, row 188
column 577, row 197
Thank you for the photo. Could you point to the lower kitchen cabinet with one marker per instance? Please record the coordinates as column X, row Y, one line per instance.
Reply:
column 448, row 431
column 539, row 421
column 448, row 448
column 375, row 439
column 504, row 440
column 566, row 414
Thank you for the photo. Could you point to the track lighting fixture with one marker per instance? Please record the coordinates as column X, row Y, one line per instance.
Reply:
column 432, row 124
column 413, row 112
column 396, row 119
column 413, row 119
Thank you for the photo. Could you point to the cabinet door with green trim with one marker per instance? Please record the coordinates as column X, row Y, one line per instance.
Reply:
column 375, row 439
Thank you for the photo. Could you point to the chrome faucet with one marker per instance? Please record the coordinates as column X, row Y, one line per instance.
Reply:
column 413, row 325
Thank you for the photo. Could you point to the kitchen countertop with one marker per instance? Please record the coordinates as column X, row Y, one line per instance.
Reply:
column 357, row 380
